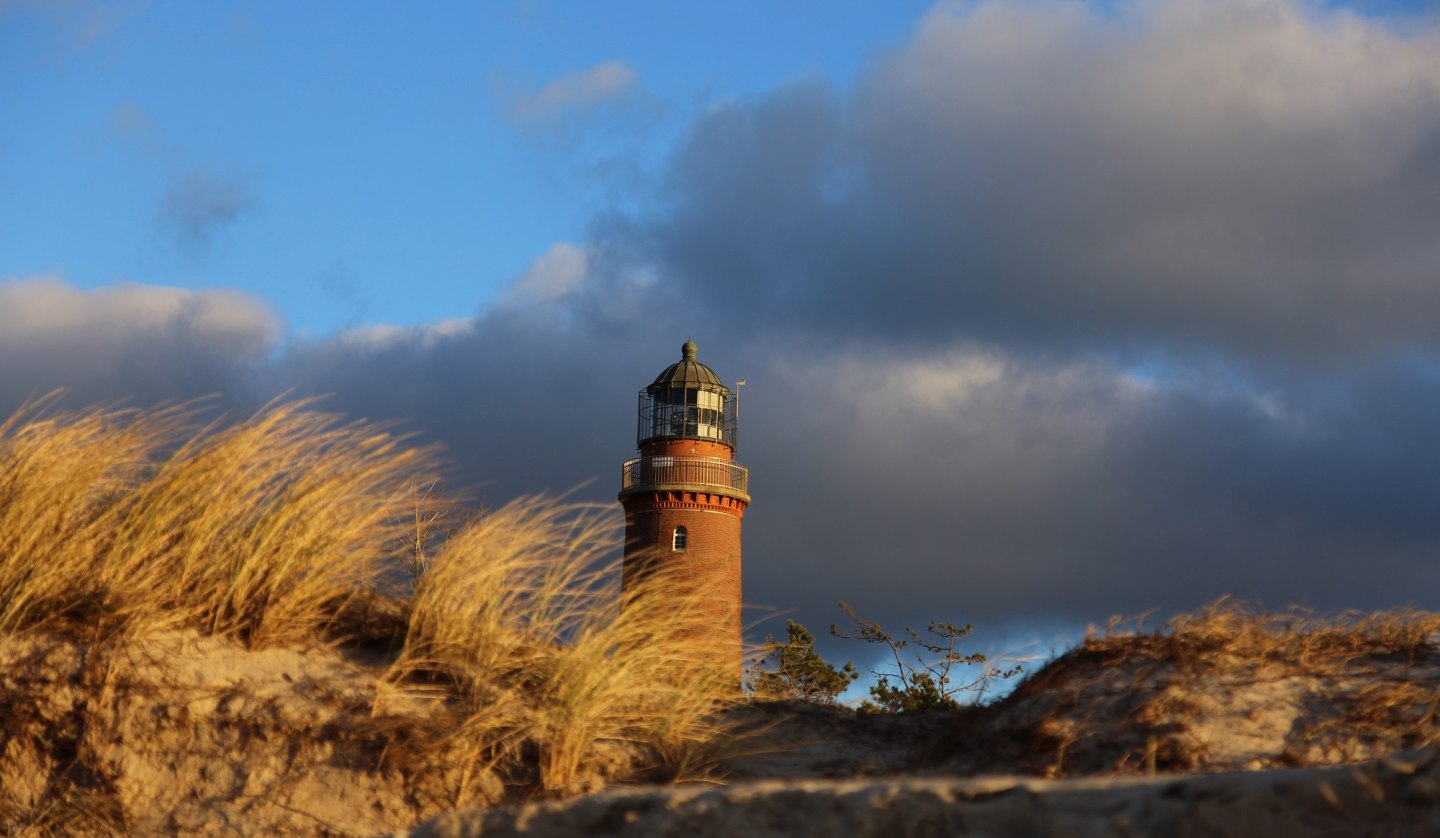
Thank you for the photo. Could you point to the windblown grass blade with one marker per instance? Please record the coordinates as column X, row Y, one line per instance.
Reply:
column 273, row 530
column 523, row 608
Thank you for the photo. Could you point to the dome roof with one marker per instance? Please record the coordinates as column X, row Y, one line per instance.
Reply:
column 687, row 373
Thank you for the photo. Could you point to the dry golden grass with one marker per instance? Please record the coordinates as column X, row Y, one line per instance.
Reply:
column 61, row 475
column 1230, row 628
column 73, row 811
column 521, row 612
column 1231, row 686
column 275, row 530
column 263, row 529
column 258, row 529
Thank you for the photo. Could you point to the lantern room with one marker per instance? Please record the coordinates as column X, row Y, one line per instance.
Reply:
column 687, row 401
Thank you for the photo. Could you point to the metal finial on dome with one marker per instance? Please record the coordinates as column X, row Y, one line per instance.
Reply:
column 687, row 351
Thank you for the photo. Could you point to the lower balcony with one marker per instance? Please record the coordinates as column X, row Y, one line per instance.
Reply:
column 698, row 473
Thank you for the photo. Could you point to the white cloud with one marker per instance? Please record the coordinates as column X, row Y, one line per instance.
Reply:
column 47, row 307
column 556, row 273
column 384, row 336
column 130, row 341
column 574, row 92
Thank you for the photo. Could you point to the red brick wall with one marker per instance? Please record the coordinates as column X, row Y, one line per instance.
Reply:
column 710, row 562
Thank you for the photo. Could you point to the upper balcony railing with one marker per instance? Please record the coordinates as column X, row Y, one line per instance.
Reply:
column 713, row 472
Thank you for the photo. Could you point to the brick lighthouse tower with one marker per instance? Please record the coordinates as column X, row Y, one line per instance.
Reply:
column 685, row 495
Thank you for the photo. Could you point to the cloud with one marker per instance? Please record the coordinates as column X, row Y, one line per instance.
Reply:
column 574, row 93
column 199, row 203
column 142, row 343
column 77, row 25
column 553, row 275
column 130, row 119
column 998, row 485
column 376, row 339
column 131, row 124
column 340, row 285
column 242, row 28
column 1249, row 177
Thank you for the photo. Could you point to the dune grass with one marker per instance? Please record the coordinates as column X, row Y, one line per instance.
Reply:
column 1296, row 636
column 269, row 529
column 1130, row 699
column 143, row 520
column 61, row 472
column 522, row 612
column 262, row 530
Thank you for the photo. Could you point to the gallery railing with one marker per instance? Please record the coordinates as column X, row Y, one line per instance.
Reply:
column 685, row 471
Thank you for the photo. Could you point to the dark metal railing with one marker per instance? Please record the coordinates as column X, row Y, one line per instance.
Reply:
column 688, row 471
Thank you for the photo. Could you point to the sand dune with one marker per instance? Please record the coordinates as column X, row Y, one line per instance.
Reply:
column 1396, row 796
column 1230, row 725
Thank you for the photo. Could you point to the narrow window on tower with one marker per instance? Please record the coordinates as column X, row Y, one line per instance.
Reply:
column 678, row 541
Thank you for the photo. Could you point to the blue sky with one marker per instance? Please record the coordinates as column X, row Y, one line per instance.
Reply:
column 364, row 162
column 1049, row 310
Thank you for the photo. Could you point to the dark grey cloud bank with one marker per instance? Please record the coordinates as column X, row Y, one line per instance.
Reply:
column 1233, row 175
column 1055, row 315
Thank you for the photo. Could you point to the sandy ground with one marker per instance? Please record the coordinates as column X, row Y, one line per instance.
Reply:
column 184, row 734
column 187, row 734
column 1398, row 796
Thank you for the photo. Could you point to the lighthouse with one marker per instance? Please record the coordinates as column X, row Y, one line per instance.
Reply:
column 685, row 497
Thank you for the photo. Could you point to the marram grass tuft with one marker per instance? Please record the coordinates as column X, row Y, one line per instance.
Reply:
column 522, row 612
column 257, row 529
column 276, row 529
